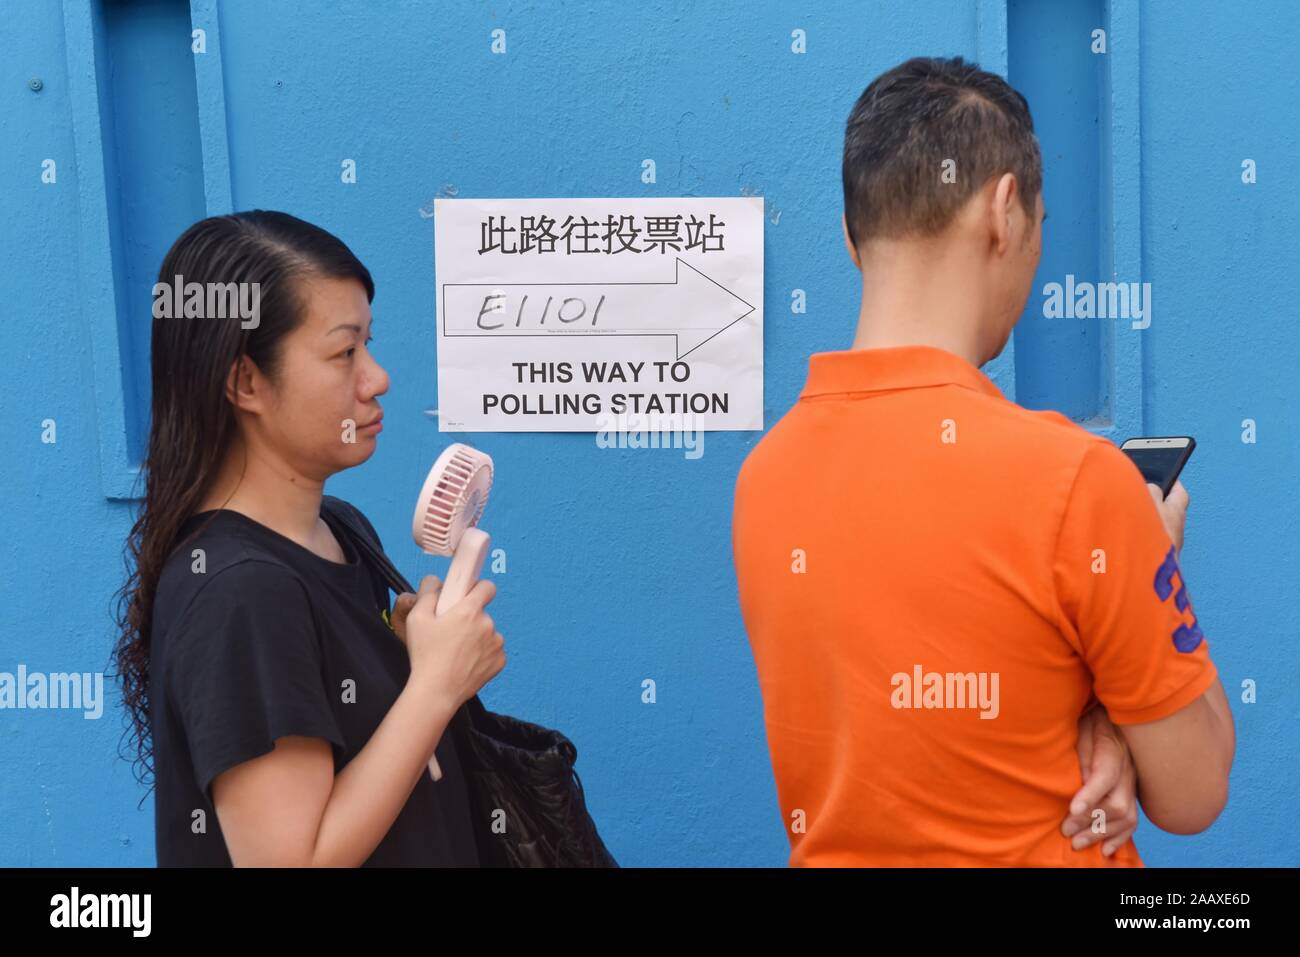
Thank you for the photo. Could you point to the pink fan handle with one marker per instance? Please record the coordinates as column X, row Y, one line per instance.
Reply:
column 462, row 576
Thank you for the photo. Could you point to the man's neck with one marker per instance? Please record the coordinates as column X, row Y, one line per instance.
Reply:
column 921, row 299
column 882, row 333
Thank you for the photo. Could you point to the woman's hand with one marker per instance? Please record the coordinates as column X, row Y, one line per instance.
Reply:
column 402, row 607
column 1109, row 784
column 455, row 654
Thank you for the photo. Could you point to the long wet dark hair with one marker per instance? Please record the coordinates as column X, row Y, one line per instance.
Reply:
column 192, row 422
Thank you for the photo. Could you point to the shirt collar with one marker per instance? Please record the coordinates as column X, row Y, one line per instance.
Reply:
column 898, row 367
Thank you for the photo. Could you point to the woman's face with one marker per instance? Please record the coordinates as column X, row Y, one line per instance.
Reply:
column 326, row 397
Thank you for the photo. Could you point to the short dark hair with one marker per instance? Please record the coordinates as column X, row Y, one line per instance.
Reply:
column 912, row 118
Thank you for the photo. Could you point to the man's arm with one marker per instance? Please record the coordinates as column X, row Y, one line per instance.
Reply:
column 1183, row 762
column 1132, row 620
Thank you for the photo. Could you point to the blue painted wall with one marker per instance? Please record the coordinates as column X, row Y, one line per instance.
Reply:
column 619, row 560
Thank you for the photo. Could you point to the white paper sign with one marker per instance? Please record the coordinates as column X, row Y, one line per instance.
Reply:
column 578, row 315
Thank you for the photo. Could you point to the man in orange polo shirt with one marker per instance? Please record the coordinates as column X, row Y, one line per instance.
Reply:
column 937, row 583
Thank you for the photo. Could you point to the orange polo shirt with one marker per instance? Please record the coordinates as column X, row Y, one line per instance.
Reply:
column 935, row 582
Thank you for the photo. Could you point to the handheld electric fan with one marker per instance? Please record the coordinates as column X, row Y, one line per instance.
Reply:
column 444, row 524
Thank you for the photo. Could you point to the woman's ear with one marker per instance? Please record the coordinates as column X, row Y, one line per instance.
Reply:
column 242, row 384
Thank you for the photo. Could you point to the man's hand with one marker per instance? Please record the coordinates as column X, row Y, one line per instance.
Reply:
column 1109, row 784
column 1173, row 510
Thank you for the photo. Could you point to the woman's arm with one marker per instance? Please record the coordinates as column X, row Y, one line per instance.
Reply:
column 287, row 808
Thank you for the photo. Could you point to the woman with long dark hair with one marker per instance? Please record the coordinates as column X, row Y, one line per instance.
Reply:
column 287, row 714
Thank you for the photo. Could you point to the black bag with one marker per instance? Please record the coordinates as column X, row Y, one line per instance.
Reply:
column 510, row 765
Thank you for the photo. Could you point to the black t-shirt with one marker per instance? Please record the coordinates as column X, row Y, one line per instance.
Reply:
column 270, row 639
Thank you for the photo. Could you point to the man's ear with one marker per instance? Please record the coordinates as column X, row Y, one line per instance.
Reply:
column 848, row 243
column 1006, row 195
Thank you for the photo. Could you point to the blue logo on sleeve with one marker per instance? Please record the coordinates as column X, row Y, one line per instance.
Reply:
column 1186, row 637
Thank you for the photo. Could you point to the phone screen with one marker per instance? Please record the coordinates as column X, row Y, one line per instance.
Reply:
column 1159, row 464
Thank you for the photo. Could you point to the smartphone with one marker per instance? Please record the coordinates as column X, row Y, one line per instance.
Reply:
column 1160, row 459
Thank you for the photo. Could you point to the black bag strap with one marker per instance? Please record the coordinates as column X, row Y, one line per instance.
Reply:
column 372, row 554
